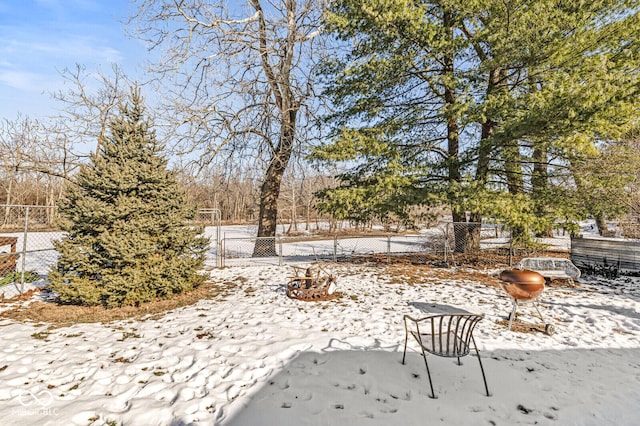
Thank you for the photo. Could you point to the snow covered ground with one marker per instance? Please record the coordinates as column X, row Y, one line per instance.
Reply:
column 255, row 357
column 252, row 356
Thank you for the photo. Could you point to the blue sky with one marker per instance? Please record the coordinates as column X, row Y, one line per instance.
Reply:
column 40, row 38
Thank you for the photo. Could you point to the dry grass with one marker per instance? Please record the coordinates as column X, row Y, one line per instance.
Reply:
column 416, row 274
column 64, row 315
column 494, row 259
column 429, row 269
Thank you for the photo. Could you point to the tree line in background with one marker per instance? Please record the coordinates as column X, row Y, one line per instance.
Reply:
column 235, row 196
column 525, row 111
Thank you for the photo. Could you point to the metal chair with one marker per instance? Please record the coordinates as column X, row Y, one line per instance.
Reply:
column 445, row 335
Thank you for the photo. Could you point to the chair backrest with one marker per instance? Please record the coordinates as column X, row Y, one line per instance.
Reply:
column 447, row 335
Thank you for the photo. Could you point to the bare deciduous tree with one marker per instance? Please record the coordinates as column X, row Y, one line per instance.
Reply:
column 87, row 104
column 37, row 157
column 32, row 164
column 237, row 81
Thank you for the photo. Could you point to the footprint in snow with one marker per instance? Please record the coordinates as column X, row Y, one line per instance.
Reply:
column 524, row 409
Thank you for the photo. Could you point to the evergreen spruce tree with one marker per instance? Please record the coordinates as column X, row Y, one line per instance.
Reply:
column 127, row 221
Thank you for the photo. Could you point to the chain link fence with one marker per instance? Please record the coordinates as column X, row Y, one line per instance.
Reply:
column 470, row 238
column 26, row 244
column 211, row 220
column 469, row 241
column 449, row 243
column 27, row 251
column 27, row 235
column 239, row 250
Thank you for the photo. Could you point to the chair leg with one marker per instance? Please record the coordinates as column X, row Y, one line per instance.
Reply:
column 406, row 337
column 426, row 364
column 486, row 388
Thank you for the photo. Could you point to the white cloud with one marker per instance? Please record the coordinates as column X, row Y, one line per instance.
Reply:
column 64, row 49
column 19, row 80
column 27, row 81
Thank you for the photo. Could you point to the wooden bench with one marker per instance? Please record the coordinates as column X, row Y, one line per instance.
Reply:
column 551, row 267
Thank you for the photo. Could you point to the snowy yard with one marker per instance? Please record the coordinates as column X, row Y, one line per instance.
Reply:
column 253, row 356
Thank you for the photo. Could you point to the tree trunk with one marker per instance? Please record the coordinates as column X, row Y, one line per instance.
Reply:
column 268, row 215
column 280, row 81
column 488, row 127
column 513, row 171
column 461, row 234
column 472, row 241
column 270, row 190
column 601, row 223
column 539, row 183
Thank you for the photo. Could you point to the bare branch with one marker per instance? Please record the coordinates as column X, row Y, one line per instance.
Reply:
column 235, row 79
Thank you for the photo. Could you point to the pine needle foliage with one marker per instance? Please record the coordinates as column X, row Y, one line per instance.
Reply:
column 476, row 104
column 128, row 238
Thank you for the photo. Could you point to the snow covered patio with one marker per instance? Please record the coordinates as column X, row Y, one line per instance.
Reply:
column 252, row 356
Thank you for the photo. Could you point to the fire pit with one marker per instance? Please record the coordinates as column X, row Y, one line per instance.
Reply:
column 523, row 285
column 311, row 286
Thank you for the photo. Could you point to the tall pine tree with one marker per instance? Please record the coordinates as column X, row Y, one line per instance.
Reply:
column 481, row 106
column 127, row 221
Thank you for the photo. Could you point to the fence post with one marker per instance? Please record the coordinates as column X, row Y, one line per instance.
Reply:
column 218, row 252
column 388, row 248
column 279, row 251
column 218, row 240
column 24, row 248
column 446, row 241
column 223, row 243
column 335, row 248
